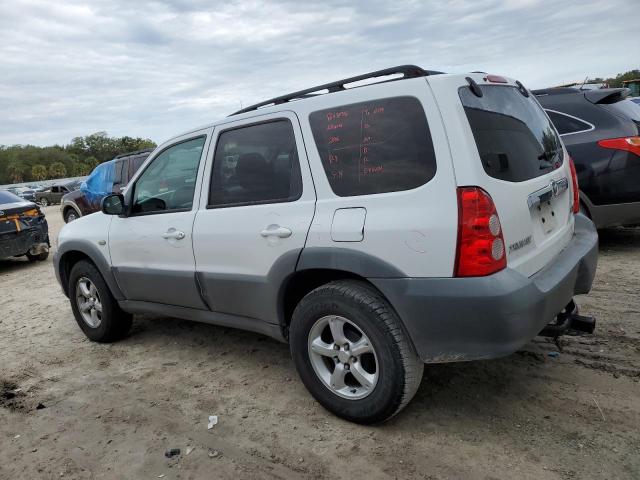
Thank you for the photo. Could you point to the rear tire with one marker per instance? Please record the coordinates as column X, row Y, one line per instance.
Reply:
column 96, row 311
column 393, row 369
column 44, row 202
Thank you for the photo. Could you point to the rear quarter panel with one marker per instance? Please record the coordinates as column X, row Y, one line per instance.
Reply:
column 413, row 230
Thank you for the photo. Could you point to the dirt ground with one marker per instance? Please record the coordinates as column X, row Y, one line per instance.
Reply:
column 75, row 409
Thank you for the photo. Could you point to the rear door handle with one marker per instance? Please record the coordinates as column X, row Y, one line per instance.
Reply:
column 173, row 233
column 276, row 231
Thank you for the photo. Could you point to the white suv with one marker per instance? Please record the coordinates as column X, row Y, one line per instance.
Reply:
column 428, row 218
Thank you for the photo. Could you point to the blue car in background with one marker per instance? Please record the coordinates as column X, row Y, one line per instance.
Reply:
column 108, row 177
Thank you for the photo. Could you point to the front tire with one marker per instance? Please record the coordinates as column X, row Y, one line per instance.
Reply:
column 70, row 215
column 352, row 354
column 96, row 311
column 44, row 202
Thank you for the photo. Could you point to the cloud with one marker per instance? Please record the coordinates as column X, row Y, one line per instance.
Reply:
column 153, row 68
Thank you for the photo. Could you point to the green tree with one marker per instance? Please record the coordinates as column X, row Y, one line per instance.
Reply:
column 18, row 162
column 616, row 82
column 57, row 170
column 81, row 169
column 39, row 172
column 16, row 172
column 91, row 162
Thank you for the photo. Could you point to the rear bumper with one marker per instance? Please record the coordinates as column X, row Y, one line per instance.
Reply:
column 613, row 215
column 458, row 319
column 35, row 239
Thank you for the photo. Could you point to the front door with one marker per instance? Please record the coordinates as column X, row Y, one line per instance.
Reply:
column 259, row 201
column 151, row 249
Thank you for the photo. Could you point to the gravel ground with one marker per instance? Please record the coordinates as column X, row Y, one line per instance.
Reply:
column 111, row 411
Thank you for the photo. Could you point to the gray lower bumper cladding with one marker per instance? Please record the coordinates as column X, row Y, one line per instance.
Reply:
column 458, row 319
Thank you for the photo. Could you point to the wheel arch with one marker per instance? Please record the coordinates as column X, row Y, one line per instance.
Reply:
column 320, row 265
column 73, row 252
column 68, row 206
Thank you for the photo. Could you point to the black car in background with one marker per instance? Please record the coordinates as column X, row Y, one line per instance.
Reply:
column 601, row 130
column 23, row 229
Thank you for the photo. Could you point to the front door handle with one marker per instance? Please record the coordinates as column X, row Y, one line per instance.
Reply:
column 276, row 231
column 174, row 234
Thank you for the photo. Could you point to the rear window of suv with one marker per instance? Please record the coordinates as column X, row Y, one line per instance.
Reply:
column 515, row 139
column 377, row 146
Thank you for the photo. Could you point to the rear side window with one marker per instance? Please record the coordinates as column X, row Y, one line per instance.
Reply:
column 135, row 163
column 374, row 147
column 515, row 139
column 118, row 176
column 256, row 164
column 566, row 124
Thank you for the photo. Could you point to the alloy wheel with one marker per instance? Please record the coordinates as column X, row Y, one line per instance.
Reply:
column 88, row 301
column 343, row 357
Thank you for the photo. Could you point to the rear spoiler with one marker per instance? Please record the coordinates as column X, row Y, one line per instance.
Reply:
column 607, row 95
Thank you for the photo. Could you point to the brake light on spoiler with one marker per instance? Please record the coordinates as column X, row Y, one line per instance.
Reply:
column 495, row 79
column 628, row 144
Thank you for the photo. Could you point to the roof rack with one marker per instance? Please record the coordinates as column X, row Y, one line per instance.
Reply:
column 407, row 71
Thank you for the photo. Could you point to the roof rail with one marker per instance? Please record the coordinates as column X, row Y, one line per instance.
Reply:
column 137, row 152
column 407, row 71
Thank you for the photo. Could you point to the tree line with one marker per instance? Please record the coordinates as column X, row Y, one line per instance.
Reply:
column 616, row 82
column 29, row 163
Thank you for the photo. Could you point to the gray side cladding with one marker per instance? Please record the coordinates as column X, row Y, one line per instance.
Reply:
column 170, row 287
column 249, row 296
column 261, row 297
column 347, row 260
column 94, row 253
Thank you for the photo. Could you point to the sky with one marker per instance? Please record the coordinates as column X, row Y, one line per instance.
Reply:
column 153, row 69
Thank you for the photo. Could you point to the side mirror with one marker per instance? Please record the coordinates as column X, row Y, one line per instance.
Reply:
column 113, row 204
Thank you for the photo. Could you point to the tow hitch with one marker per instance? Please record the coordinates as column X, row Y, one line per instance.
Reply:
column 569, row 320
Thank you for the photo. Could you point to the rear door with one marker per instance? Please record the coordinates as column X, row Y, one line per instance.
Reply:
column 257, row 203
column 502, row 141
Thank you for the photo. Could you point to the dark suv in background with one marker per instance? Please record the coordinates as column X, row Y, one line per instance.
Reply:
column 601, row 130
column 108, row 177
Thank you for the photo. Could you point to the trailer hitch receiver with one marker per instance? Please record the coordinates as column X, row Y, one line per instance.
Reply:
column 569, row 320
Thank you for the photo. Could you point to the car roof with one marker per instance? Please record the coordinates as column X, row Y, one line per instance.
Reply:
column 278, row 104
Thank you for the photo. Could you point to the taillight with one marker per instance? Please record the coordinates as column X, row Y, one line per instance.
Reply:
column 481, row 249
column 628, row 144
column 575, row 207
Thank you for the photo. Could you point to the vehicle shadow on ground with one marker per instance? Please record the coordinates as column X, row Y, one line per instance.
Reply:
column 14, row 264
column 502, row 386
column 619, row 239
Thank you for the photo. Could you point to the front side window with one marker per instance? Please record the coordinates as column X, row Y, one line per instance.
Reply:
column 168, row 183
column 374, row 147
column 566, row 124
column 515, row 139
column 256, row 164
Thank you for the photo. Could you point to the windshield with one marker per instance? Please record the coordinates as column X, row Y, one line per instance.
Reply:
column 8, row 197
column 516, row 141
